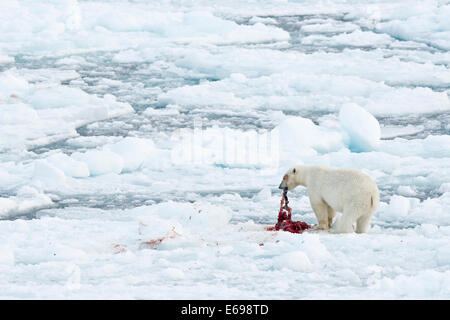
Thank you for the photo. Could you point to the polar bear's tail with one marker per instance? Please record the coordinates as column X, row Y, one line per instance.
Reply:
column 374, row 200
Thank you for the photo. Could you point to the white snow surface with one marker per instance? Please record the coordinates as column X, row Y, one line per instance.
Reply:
column 142, row 144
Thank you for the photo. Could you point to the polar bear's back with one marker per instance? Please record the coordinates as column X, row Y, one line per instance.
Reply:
column 342, row 186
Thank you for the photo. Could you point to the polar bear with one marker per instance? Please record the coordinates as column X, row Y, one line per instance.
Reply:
column 344, row 190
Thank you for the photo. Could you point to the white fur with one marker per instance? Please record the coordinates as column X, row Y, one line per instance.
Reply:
column 343, row 190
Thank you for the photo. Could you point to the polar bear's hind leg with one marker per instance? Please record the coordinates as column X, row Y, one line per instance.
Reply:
column 363, row 223
column 345, row 222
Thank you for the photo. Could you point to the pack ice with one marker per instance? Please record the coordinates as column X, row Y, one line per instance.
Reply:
column 142, row 143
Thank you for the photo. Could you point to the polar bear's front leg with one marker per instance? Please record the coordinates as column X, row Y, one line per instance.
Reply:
column 321, row 210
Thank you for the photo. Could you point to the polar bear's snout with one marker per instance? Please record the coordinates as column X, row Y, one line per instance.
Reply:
column 283, row 185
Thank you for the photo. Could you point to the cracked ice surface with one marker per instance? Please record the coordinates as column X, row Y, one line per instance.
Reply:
column 101, row 102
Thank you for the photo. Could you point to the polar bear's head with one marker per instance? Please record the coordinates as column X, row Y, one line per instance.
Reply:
column 291, row 179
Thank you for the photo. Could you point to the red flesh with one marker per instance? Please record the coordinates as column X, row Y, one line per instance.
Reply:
column 285, row 222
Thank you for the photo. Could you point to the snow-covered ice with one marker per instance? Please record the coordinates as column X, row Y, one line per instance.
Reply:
column 142, row 144
column 362, row 129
